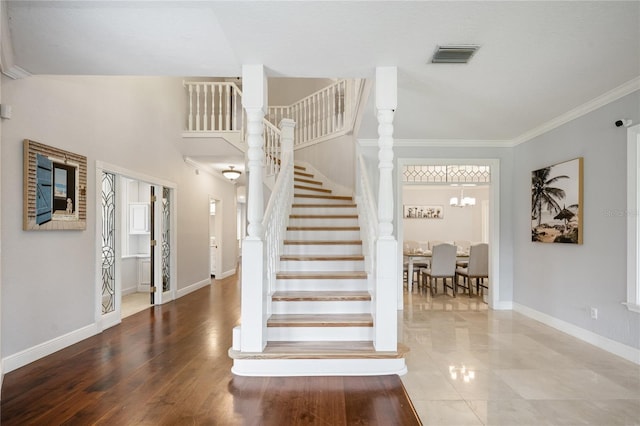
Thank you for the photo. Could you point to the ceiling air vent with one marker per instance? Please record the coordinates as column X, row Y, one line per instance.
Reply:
column 454, row 54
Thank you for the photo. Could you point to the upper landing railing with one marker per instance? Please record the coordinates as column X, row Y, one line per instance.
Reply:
column 216, row 108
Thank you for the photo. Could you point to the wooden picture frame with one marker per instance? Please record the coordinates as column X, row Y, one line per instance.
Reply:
column 54, row 188
column 557, row 203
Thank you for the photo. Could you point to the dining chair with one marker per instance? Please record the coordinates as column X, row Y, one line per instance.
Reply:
column 443, row 265
column 409, row 246
column 478, row 268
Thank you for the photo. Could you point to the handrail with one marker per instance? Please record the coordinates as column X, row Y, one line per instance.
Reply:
column 367, row 212
column 275, row 219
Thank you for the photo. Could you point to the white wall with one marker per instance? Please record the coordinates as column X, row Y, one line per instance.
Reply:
column 285, row 91
column 456, row 223
column 563, row 280
column 334, row 158
column 48, row 278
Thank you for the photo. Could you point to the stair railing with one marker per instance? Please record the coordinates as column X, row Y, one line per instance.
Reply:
column 367, row 215
column 272, row 147
column 214, row 107
column 326, row 113
column 276, row 214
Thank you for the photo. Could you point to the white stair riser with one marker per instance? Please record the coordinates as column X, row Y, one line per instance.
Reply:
column 333, row 249
column 315, row 200
column 324, row 210
column 321, row 285
column 323, row 222
column 313, row 307
column 318, row 367
column 323, row 235
column 311, row 334
column 321, row 265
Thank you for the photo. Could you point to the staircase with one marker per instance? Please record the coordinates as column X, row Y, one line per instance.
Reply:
column 320, row 319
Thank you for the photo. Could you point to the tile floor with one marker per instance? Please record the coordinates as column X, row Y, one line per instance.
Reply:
column 518, row 371
column 134, row 303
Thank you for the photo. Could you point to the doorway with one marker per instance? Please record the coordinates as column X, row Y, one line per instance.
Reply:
column 485, row 223
column 214, row 249
column 136, row 236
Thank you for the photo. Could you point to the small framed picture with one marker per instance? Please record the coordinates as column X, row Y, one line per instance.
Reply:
column 423, row 212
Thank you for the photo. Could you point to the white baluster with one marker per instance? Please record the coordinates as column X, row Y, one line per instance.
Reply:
column 333, row 108
column 227, row 107
column 198, row 107
column 212, row 117
column 220, row 107
column 190, row 107
column 204, row 112
column 234, row 112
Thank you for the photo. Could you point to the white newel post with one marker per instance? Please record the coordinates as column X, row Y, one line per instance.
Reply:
column 253, row 309
column 386, row 338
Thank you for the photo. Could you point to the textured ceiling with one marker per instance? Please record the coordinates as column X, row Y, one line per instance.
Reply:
column 537, row 59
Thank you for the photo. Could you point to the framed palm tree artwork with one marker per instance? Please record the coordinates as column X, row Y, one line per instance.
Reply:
column 54, row 185
column 556, row 203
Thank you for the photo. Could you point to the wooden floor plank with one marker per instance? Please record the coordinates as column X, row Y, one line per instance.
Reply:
column 168, row 365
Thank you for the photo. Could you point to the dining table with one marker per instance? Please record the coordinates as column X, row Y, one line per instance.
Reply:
column 413, row 255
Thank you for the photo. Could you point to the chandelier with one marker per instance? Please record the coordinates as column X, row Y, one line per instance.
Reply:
column 462, row 201
column 231, row 174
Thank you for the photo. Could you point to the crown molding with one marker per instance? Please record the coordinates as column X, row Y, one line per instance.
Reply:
column 602, row 100
column 441, row 143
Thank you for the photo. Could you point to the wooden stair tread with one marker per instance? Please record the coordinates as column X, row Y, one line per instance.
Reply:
column 323, row 242
column 360, row 349
column 322, row 275
column 309, row 181
column 323, row 228
column 353, row 206
column 295, row 166
column 323, row 216
column 320, row 296
column 311, row 188
column 321, row 257
column 324, row 197
column 295, row 172
column 320, row 320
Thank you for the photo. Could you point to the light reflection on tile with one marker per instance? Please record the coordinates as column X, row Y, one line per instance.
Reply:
column 524, row 372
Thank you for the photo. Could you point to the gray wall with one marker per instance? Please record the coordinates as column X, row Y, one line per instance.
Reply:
column 561, row 280
column 48, row 277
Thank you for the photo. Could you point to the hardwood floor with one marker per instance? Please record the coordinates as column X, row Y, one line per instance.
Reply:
column 168, row 365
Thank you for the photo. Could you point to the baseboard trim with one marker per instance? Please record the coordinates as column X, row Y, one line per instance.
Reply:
column 193, row 287
column 226, row 274
column 620, row 349
column 27, row 356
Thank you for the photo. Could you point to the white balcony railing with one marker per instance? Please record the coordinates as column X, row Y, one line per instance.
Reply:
column 325, row 113
column 214, row 107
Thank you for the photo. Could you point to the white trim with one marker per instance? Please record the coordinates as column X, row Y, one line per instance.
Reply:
column 318, row 367
column 441, row 143
column 633, row 219
column 135, row 175
column 627, row 352
column 226, row 274
column 494, row 219
column 41, row 350
column 592, row 105
column 193, row 287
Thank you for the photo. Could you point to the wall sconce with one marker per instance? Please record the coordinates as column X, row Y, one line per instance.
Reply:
column 231, row 174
